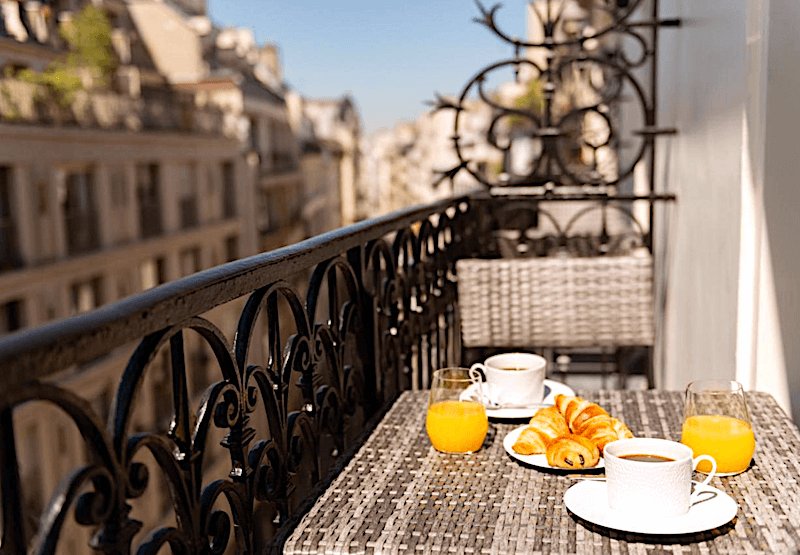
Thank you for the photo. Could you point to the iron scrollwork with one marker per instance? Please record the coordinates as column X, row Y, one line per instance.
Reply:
column 299, row 383
column 585, row 66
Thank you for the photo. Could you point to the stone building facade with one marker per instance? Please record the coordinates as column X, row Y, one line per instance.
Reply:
column 184, row 161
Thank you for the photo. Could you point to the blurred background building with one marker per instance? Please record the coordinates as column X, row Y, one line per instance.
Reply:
column 140, row 143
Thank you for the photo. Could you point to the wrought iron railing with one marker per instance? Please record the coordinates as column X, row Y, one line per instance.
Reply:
column 582, row 113
column 379, row 312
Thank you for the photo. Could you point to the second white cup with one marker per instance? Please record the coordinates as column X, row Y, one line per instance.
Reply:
column 514, row 378
column 652, row 476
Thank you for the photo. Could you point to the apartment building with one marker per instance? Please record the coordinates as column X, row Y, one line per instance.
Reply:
column 329, row 133
column 403, row 165
column 184, row 160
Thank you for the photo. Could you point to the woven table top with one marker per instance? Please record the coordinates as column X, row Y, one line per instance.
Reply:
column 399, row 495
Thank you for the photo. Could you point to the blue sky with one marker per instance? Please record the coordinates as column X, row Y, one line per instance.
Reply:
column 391, row 55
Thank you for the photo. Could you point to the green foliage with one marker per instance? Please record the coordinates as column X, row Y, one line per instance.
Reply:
column 88, row 36
column 59, row 81
column 532, row 100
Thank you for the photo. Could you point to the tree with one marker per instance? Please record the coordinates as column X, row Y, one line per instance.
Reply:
column 88, row 37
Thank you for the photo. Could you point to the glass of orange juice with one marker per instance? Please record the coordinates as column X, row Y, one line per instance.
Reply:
column 717, row 423
column 456, row 421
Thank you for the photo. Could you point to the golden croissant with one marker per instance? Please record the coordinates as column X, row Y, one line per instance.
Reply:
column 603, row 429
column 577, row 410
column 546, row 425
column 572, row 451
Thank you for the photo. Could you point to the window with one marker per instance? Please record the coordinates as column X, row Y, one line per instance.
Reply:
column 231, row 248
column 229, row 190
column 272, row 210
column 190, row 261
column 254, row 138
column 30, row 468
column 152, row 272
column 147, row 194
column 80, row 214
column 102, row 404
column 10, row 316
column 119, row 193
column 187, row 181
column 9, row 257
column 161, row 375
column 42, row 202
column 86, row 295
column 198, row 368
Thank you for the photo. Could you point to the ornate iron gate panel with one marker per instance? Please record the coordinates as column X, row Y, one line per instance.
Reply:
column 581, row 113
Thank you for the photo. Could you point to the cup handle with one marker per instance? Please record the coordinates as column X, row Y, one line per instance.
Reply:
column 476, row 378
column 697, row 489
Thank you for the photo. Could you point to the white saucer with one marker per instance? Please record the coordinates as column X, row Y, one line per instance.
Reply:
column 589, row 501
column 540, row 461
column 551, row 389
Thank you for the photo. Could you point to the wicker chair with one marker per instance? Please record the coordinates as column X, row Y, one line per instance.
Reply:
column 563, row 302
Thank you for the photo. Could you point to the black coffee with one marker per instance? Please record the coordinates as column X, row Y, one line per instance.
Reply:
column 646, row 458
column 513, row 369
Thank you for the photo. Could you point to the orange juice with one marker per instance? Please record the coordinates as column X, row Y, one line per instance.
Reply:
column 456, row 426
column 729, row 440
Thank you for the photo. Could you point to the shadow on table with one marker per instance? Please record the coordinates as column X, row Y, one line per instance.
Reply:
column 491, row 435
column 680, row 539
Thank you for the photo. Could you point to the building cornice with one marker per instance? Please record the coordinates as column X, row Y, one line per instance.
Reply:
column 108, row 136
column 122, row 256
column 28, row 48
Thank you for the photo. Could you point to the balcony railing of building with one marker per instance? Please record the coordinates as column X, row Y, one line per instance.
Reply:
column 281, row 162
column 380, row 312
column 30, row 103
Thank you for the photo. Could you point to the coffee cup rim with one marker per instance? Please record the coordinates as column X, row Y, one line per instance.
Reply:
column 609, row 452
column 539, row 361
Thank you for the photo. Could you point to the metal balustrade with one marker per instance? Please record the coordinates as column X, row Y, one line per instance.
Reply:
column 379, row 312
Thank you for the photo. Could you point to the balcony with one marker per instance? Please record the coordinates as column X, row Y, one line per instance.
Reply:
column 281, row 163
column 27, row 103
column 379, row 312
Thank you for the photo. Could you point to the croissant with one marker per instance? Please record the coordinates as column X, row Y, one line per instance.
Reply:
column 546, row 425
column 603, row 429
column 572, row 451
column 577, row 410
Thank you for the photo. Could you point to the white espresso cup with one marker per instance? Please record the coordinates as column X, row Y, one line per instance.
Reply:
column 662, row 488
column 514, row 378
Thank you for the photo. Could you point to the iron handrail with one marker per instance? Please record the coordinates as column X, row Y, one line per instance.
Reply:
column 36, row 353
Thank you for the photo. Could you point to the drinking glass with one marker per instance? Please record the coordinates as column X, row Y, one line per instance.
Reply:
column 717, row 423
column 456, row 421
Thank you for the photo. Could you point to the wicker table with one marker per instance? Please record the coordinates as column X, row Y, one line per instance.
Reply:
column 399, row 495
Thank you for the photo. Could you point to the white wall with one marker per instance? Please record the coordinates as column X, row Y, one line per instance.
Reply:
column 729, row 81
column 702, row 88
column 778, row 345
